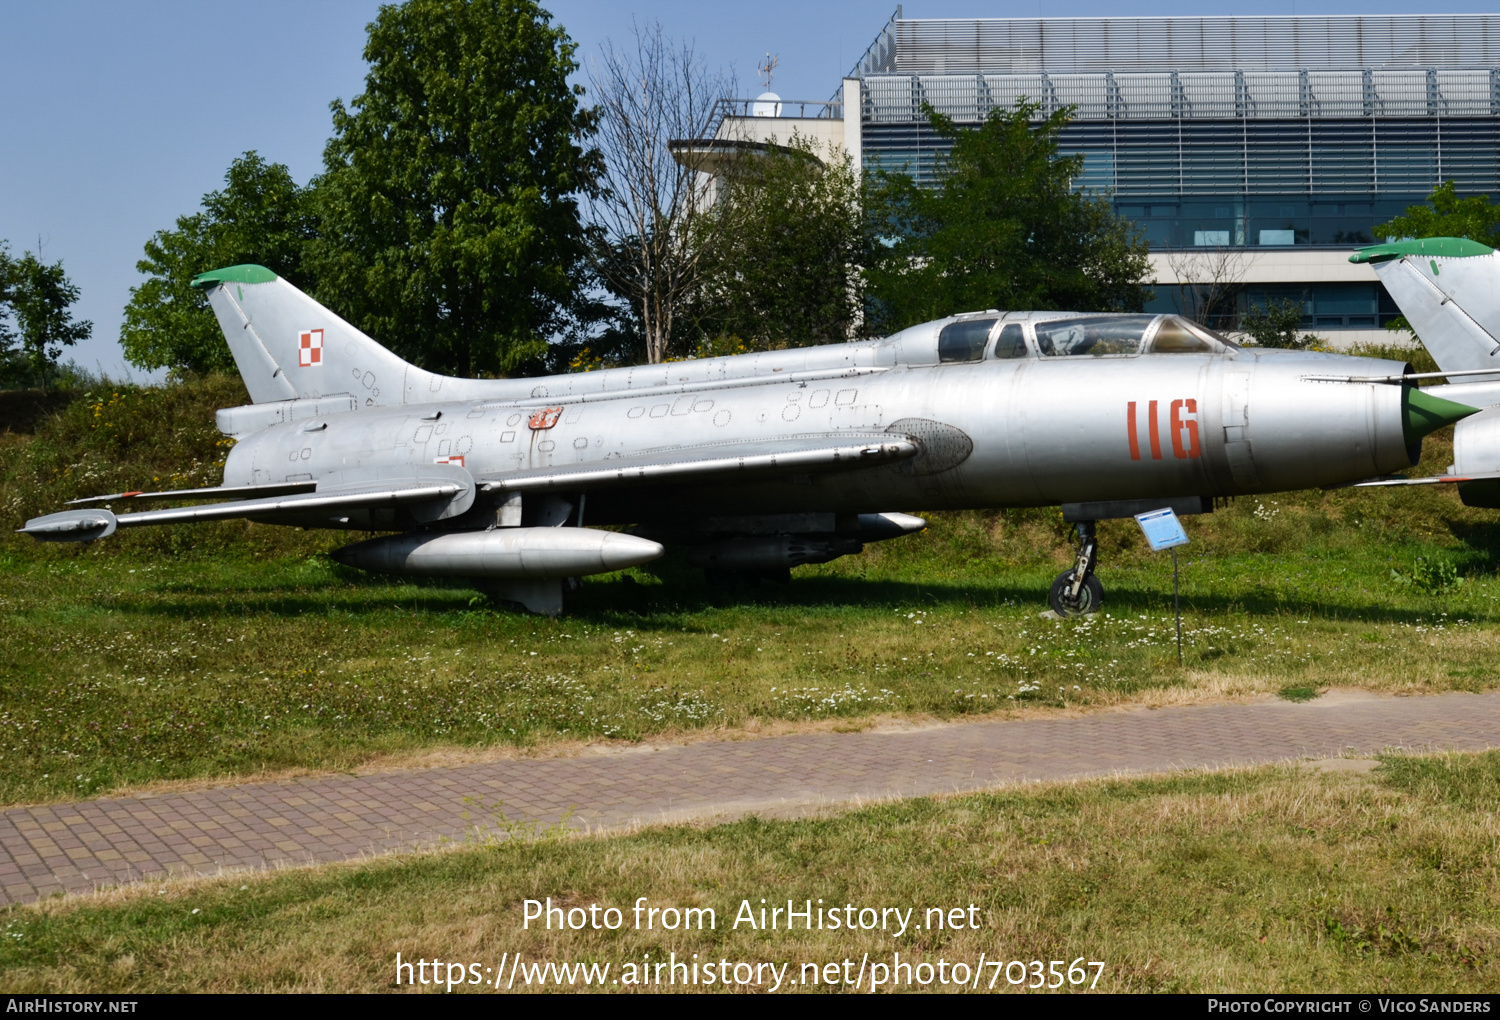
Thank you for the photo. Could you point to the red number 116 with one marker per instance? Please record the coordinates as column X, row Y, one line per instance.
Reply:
column 1184, row 431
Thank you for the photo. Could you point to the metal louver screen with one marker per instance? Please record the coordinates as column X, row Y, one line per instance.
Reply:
column 1204, row 95
column 1406, row 156
column 1019, row 45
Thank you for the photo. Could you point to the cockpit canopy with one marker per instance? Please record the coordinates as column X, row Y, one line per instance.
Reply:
column 1094, row 336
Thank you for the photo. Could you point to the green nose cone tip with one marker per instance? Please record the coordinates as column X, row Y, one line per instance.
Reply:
column 1422, row 413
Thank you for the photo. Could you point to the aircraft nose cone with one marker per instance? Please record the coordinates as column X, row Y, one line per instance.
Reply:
column 618, row 551
column 1422, row 413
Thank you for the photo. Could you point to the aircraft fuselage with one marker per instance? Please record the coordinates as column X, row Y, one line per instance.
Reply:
column 1022, row 432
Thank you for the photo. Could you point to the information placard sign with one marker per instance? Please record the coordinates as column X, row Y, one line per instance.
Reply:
column 1162, row 529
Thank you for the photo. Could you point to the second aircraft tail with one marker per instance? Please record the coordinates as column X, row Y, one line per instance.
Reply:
column 1449, row 290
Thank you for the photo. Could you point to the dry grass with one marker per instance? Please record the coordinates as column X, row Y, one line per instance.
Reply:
column 1276, row 878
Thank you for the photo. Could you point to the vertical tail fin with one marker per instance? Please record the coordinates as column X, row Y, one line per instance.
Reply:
column 288, row 346
column 1449, row 290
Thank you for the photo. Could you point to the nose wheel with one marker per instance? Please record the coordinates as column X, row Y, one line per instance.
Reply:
column 1077, row 591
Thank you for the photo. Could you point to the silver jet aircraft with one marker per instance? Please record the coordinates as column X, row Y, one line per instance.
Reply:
column 760, row 462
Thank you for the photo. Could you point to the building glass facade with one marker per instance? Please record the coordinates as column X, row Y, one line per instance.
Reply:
column 1256, row 134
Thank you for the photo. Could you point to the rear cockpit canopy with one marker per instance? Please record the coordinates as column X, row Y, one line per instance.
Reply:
column 977, row 335
column 1106, row 335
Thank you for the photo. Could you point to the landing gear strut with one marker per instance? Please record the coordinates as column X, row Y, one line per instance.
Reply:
column 1077, row 592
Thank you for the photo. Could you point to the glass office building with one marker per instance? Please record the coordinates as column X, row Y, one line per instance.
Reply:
column 1286, row 139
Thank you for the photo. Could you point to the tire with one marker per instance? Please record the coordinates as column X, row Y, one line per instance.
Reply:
column 1090, row 595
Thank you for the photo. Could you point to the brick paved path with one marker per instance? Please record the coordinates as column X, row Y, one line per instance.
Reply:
column 80, row 846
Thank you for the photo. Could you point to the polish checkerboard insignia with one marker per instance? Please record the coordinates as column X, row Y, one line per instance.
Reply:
column 310, row 348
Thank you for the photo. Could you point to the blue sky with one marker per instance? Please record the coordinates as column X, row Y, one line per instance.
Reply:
column 117, row 117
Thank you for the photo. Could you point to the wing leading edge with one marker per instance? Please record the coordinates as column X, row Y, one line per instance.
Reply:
column 439, row 492
column 98, row 522
column 221, row 492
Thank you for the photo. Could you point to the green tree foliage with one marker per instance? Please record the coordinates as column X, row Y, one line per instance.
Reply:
column 1276, row 324
column 35, row 318
column 782, row 251
column 448, row 207
column 1004, row 229
column 261, row 216
column 1475, row 217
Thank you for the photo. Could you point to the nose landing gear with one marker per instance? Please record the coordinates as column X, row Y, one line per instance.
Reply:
column 1077, row 591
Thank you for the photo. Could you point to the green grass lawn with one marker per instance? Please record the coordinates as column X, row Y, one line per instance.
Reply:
column 121, row 670
column 236, row 649
column 1275, row 878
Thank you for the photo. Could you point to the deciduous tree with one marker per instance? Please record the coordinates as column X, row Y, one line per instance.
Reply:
column 649, row 219
column 1209, row 284
column 260, row 216
column 1005, row 228
column 782, row 268
column 1277, row 323
column 448, row 209
column 1476, row 217
column 36, row 321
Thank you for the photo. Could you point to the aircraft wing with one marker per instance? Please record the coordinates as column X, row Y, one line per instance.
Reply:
column 437, row 492
column 221, row 492
column 716, row 462
column 1429, row 480
column 440, row 491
